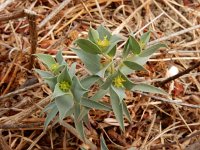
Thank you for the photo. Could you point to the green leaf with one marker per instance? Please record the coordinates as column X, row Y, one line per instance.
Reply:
column 133, row 65
column 126, row 112
column 93, row 35
column 103, row 144
column 72, row 70
column 89, row 81
column 95, row 105
column 78, row 124
column 88, row 46
column 112, row 52
column 49, row 78
column 64, row 104
column 84, row 112
column 101, row 73
column 134, row 45
column 99, row 94
column 103, row 32
column 50, row 116
column 149, row 51
column 64, row 76
column 145, row 39
column 120, row 92
column 126, row 49
column 49, row 106
column 128, row 84
column 57, row 91
column 48, row 60
column 60, row 59
column 77, row 89
column 91, row 61
column 148, row 88
column 117, row 107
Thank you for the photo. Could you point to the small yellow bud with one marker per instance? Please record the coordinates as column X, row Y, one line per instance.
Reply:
column 118, row 81
column 64, row 86
column 104, row 42
column 54, row 67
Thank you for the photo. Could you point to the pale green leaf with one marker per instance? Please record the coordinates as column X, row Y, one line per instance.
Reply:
column 103, row 32
column 133, row 65
column 117, row 108
column 148, row 88
column 64, row 76
column 120, row 92
column 77, row 89
column 149, row 51
column 103, row 144
column 88, row 46
column 78, row 124
column 48, row 60
column 95, row 105
column 99, row 94
column 60, row 58
column 50, row 116
column 93, row 35
column 64, row 104
column 126, row 111
column 134, row 45
column 91, row 61
column 145, row 38
column 89, row 81
column 57, row 91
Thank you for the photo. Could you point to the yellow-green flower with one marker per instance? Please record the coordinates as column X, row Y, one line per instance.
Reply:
column 64, row 86
column 142, row 44
column 54, row 67
column 118, row 81
column 104, row 42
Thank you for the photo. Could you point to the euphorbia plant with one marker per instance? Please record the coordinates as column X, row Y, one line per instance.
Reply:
column 107, row 69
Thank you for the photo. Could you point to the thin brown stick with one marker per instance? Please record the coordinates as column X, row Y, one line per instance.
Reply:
column 173, row 143
column 33, row 35
column 20, row 90
column 186, row 71
column 18, row 126
column 3, row 144
column 14, row 15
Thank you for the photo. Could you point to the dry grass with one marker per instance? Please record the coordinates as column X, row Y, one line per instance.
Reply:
column 156, row 124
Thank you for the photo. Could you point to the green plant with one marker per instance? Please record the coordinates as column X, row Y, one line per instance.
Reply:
column 107, row 69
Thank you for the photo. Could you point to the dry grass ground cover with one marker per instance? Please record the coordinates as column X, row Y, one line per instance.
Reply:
column 157, row 122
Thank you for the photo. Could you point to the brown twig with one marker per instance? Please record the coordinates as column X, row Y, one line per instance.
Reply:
column 33, row 35
column 18, row 126
column 31, row 16
column 3, row 144
column 20, row 90
column 173, row 143
column 179, row 74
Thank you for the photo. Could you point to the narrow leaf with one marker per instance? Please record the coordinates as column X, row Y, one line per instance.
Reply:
column 60, row 59
column 78, row 124
column 103, row 32
column 57, row 91
column 126, row 111
column 117, row 108
column 50, row 116
column 103, row 144
column 93, row 35
column 149, row 51
column 91, row 61
column 77, row 89
column 95, row 105
column 89, row 81
column 145, row 39
column 148, row 88
column 88, row 46
column 134, row 45
column 64, row 104
column 99, row 94
column 133, row 65
column 64, row 76
column 48, row 60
